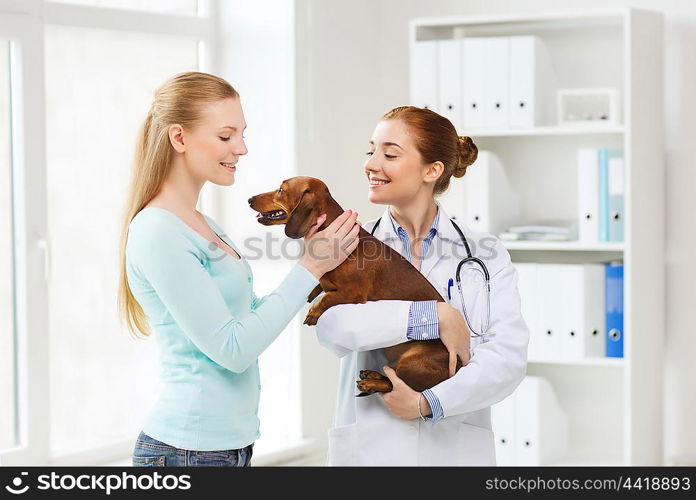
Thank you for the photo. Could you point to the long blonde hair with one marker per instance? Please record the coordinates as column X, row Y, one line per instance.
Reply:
column 177, row 101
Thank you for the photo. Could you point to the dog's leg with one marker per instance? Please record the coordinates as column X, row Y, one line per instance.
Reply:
column 372, row 375
column 382, row 383
column 370, row 386
column 314, row 293
column 331, row 298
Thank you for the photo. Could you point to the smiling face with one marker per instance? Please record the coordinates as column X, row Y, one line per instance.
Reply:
column 394, row 166
column 212, row 148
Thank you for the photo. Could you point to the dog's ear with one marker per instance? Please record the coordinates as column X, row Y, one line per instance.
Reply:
column 302, row 218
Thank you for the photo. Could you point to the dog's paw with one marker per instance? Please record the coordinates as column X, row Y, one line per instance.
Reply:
column 371, row 386
column 311, row 318
column 371, row 375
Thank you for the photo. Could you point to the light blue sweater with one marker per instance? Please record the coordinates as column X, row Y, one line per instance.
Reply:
column 210, row 328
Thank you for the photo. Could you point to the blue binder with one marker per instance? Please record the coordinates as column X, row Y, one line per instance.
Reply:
column 614, row 302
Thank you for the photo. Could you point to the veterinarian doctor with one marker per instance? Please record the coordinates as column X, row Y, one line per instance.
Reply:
column 413, row 154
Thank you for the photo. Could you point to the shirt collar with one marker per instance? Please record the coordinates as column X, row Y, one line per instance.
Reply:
column 402, row 232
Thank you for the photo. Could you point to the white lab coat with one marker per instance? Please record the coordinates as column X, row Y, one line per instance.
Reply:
column 365, row 432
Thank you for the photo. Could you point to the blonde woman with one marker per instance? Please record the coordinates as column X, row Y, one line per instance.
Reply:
column 184, row 279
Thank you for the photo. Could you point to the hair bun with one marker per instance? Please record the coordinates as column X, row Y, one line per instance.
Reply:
column 467, row 155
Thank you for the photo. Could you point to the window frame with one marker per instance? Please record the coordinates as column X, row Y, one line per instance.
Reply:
column 23, row 23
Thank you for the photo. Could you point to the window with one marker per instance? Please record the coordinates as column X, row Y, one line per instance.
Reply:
column 184, row 7
column 8, row 380
column 74, row 387
column 99, row 85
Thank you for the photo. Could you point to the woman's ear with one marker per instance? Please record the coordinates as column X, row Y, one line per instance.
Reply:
column 302, row 217
column 434, row 171
column 176, row 138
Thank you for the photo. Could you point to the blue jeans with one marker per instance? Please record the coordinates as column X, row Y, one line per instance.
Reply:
column 149, row 452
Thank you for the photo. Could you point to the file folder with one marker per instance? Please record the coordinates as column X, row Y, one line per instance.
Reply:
column 473, row 67
column 532, row 83
column 424, row 74
column 588, row 196
column 496, row 82
column 603, row 194
column 581, row 319
column 449, row 76
column 551, row 304
column 503, row 424
column 615, row 187
column 570, row 313
column 614, row 310
column 541, row 425
column 529, row 299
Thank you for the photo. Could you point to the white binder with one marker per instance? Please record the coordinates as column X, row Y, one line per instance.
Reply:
column 551, row 304
column 541, row 425
column 582, row 319
column 527, row 285
column 503, row 424
column 588, row 196
column 615, row 187
column 483, row 198
column 571, row 312
column 531, row 82
column 473, row 67
column 449, row 76
column 424, row 74
column 496, row 82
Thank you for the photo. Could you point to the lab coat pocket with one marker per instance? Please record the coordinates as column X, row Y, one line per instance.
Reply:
column 476, row 445
column 343, row 445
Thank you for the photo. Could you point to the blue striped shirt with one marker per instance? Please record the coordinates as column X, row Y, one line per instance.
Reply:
column 422, row 315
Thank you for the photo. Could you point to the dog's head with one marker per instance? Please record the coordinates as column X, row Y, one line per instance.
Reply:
column 296, row 203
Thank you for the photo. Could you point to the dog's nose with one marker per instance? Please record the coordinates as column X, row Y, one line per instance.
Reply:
column 250, row 199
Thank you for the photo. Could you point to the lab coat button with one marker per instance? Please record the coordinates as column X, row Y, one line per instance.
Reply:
column 426, row 334
column 249, row 279
column 424, row 320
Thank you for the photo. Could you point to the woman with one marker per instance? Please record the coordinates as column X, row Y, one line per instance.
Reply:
column 413, row 154
column 193, row 288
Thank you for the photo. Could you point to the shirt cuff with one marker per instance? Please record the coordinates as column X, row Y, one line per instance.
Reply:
column 435, row 406
column 423, row 320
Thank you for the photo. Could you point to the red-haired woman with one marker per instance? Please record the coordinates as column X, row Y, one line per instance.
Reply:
column 413, row 154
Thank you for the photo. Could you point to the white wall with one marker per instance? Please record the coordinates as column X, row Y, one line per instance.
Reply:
column 352, row 66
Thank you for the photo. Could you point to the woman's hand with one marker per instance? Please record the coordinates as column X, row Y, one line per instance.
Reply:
column 327, row 249
column 402, row 401
column 454, row 334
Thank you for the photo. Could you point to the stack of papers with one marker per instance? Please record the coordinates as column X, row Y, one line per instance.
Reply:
column 538, row 233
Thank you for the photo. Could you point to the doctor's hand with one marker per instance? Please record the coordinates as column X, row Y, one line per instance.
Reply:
column 402, row 401
column 454, row 334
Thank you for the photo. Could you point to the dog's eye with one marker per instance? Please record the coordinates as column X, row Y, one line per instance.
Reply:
column 280, row 190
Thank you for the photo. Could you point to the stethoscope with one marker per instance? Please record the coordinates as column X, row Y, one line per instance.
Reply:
column 483, row 270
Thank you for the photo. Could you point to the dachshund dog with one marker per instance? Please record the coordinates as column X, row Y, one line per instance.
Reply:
column 374, row 271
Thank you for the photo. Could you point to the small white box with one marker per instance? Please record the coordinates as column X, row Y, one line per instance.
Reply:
column 588, row 107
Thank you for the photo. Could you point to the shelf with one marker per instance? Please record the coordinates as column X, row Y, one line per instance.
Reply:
column 588, row 462
column 545, row 131
column 563, row 246
column 608, row 362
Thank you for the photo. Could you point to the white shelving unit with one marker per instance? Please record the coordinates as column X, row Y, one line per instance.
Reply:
column 614, row 406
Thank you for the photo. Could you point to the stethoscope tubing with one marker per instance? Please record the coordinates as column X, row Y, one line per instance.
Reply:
column 484, row 270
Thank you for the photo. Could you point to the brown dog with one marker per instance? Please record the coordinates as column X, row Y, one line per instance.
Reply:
column 374, row 271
